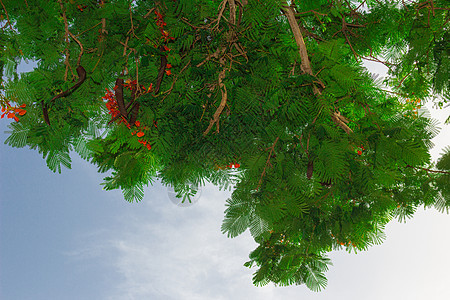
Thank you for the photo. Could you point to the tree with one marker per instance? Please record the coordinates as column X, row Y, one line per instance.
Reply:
column 270, row 97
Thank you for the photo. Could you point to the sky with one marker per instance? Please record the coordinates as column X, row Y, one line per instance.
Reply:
column 63, row 237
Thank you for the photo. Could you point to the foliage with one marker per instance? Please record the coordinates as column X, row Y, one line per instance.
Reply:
column 267, row 97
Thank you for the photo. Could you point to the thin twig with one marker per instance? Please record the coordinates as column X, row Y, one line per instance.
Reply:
column 99, row 23
column 138, row 87
column 66, row 37
column 272, row 149
column 175, row 80
column 221, row 10
column 148, row 13
column 403, row 79
column 81, row 48
column 428, row 170
column 7, row 17
column 132, row 25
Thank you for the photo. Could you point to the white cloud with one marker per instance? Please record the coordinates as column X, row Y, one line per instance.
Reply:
column 157, row 250
column 181, row 253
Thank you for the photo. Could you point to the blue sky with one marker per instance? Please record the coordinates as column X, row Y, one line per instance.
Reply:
column 63, row 237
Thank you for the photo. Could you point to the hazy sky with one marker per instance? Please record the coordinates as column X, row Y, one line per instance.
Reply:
column 63, row 237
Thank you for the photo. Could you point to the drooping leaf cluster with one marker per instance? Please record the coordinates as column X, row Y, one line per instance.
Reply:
column 324, row 153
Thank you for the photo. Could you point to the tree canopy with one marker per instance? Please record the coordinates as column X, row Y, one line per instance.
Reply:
column 270, row 97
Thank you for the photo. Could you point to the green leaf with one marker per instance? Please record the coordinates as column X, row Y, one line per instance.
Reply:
column 56, row 158
column 258, row 226
column 18, row 135
column 134, row 193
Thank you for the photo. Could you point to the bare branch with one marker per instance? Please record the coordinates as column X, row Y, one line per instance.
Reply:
column 216, row 116
column 341, row 121
column 305, row 64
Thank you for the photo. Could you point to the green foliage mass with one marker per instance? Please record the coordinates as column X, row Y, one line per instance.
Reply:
column 327, row 153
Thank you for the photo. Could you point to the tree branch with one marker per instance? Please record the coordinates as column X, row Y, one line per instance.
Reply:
column 162, row 70
column 223, row 89
column 305, row 64
column 119, row 97
column 223, row 102
column 66, row 37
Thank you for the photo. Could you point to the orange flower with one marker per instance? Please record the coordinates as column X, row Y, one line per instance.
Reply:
column 140, row 134
column 168, row 72
column 11, row 112
column 137, row 123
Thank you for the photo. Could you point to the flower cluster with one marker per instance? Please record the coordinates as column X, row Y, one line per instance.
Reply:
column 415, row 103
column 229, row 166
column 111, row 104
column 81, row 7
column 164, row 35
column 233, row 166
column 160, row 23
column 113, row 108
column 360, row 150
column 411, row 105
column 343, row 243
column 131, row 84
column 12, row 112
column 139, row 133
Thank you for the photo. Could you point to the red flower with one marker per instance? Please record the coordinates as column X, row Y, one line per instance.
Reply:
column 140, row 134
column 359, row 152
column 12, row 112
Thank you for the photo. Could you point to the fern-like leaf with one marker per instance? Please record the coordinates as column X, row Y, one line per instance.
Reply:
column 56, row 158
column 134, row 193
column 18, row 135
